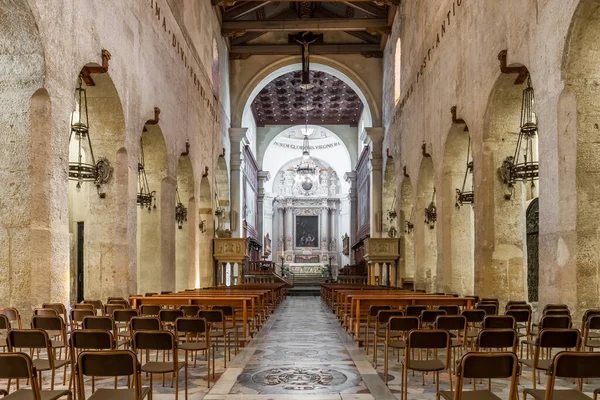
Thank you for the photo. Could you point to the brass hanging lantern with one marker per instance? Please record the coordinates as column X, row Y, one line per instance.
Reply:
column 409, row 224
column 145, row 197
column 466, row 196
column 180, row 211
column 431, row 212
column 85, row 169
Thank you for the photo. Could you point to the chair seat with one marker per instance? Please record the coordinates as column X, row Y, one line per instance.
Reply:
column 568, row 394
column 592, row 343
column 117, row 394
column 193, row 346
column 217, row 334
column 126, row 333
column 56, row 344
column 44, row 365
column 426, row 365
column 393, row 334
column 470, row 395
column 456, row 343
column 542, row 364
column 27, row 394
column 155, row 367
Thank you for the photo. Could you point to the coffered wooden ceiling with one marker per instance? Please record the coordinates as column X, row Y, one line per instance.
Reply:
column 331, row 101
column 258, row 27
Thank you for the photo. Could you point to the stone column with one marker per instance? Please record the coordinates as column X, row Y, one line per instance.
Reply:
column 350, row 177
column 325, row 228
column 268, row 227
column 167, row 229
column 289, row 229
column 237, row 137
column 263, row 176
column 376, row 135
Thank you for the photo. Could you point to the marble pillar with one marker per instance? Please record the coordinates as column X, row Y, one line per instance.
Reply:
column 325, row 229
column 289, row 230
column 350, row 177
column 237, row 137
column 376, row 136
column 263, row 176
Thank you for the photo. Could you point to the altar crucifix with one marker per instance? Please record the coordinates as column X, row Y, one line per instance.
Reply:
column 305, row 39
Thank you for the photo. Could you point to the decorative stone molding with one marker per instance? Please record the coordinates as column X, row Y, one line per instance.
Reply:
column 381, row 249
column 230, row 250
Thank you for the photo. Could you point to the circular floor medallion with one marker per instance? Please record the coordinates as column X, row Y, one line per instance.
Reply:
column 300, row 378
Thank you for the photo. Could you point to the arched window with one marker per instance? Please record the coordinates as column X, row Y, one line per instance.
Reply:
column 397, row 62
column 215, row 67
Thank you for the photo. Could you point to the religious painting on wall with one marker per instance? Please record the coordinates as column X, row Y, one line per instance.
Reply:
column 250, row 205
column 363, row 206
column 307, row 231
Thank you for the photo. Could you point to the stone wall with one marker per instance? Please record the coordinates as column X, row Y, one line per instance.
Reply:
column 556, row 40
column 162, row 56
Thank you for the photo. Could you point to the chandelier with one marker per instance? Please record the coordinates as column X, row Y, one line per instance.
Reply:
column 145, row 197
column 431, row 212
column 83, row 170
column 180, row 211
column 409, row 224
column 523, row 165
column 306, row 169
column 464, row 196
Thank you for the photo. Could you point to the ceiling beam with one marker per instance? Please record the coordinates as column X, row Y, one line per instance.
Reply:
column 244, row 51
column 241, row 9
column 366, row 36
column 368, row 9
column 233, row 28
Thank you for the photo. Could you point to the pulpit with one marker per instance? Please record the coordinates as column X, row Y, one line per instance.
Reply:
column 381, row 255
column 230, row 255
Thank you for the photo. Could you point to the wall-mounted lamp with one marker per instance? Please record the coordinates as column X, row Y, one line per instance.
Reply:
column 431, row 212
column 202, row 226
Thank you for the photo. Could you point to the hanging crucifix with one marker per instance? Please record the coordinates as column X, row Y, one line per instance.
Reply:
column 305, row 39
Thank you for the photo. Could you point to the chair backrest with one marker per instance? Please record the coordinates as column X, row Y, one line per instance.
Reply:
column 154, row 340
column 474, row 316
column 212, row 316
column 450, row 310
column 499, row 322
column 77, row 315
column 451, row 322
column 109, row 309
column 98, row 322
column 190, row 310
column 4, row 322
column 58, row 307
column 97, row 304
column 562, row 311
column 145, row 324
column 12, row 314
column 429, row 316
column 191, row 325
column 108, row 364
column 48, row 322
column 555, row 321
column 574, row 364
column 227, row 310
column 475, row 365
column 373, row 310
column 84, row 306
column 403, row 323
column 489, row 308
column 150, row 294
column 124, row 315
column 555, row 307
column 593, row 322
column 558, row 339
column 46, row 312
column 169, row 316
column 383, row 316
column 414, row 310
column 428, row 339
column 518, row 307
column 497, row 339
column 19, row 366
column 28, row 339
column 119, row 300
column 95, row 339
column 151, row 310
column 520, row 315
column 515, row 302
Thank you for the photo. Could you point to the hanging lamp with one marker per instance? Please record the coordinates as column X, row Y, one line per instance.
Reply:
column 431, row 212
column 466, row 196
column 85, row 169
column 145, row 197
column 180, row 211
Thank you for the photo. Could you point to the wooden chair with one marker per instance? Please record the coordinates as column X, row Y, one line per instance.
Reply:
column 13, row 317
column 568, row 364
column 195, row 338
column 113, row 363
column 395, row 337
column 20, row 366
column 372, row 322
column 383, row 317
column 489, row 366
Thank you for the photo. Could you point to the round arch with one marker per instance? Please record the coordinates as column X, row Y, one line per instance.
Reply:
column 318, row 63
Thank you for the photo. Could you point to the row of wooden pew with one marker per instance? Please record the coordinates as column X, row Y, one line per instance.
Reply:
column 350, row 302
column 252, row 302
